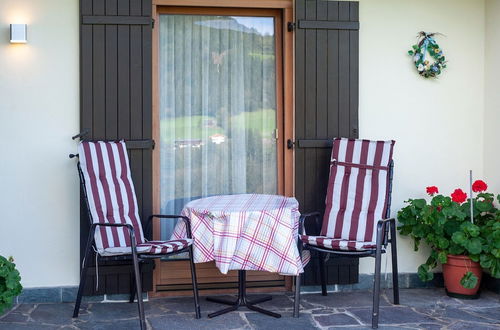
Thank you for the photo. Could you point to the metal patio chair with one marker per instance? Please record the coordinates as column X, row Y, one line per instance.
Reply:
column 356, row 222
column 116, row 232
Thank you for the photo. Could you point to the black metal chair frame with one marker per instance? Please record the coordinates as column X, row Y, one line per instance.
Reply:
column 136, row 258
column 385, row 227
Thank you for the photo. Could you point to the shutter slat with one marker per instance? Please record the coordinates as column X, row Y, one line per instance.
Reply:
column 117, row 20
column 338, row 25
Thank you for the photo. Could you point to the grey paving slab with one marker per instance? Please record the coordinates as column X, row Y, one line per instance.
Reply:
column 110, row 325
column 179, row 321
column 56, row 314
column 461, row 325
column 24, row 326
column 490, row 313
column 335, row 319
column 340, row 299
column 419, row 309
column 451, row 313
column 391, row 315
column 260, row 321
column 110, row 311
column 15, row 317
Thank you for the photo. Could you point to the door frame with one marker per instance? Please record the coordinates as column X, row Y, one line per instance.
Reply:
column 285, row 96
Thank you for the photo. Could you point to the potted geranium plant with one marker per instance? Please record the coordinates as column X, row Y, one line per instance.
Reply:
column 462, row 244
column 10, row 283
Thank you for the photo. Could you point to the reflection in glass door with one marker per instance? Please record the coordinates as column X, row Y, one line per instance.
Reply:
column 218, row 108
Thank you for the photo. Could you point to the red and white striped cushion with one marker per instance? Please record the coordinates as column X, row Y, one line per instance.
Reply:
column 111, row 197
column 358, row 193
column 336, row 243
column 162, row 247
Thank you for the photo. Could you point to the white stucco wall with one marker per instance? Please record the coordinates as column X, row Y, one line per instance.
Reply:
column 39, row 110
column 438, row 124
column 492, row 100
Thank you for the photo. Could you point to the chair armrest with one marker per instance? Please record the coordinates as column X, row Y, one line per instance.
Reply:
column 172, row 217
column 304, row 217
column 382, row 228
column 129, row 227
column 382, row 223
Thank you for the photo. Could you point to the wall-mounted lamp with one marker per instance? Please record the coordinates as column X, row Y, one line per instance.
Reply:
column 18, row 33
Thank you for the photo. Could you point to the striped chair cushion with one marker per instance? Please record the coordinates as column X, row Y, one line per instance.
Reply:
column 336, row 243
column 163, row 247
column 111, row 197
column 358, row 194
column 149, row 247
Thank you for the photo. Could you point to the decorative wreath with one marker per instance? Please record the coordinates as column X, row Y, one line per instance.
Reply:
column 427, row 44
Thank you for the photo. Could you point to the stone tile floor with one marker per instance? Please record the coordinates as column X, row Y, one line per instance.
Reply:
column 419, row 309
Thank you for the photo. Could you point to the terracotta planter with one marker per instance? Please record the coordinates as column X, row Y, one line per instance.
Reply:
column 454, row 270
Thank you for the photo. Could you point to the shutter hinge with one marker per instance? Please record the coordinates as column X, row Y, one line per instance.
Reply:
column 291, row 26
column 290, row 144
column 152, row 23
column 355, row 133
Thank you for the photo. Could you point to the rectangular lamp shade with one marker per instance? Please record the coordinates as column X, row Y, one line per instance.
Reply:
column 18, row 34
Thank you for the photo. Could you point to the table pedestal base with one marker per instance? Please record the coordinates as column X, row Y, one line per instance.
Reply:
column 242, row 300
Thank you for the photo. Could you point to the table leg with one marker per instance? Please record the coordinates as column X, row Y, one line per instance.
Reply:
column 242, row 300
column 222, row 301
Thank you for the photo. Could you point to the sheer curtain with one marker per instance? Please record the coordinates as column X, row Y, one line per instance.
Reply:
column 217, row 108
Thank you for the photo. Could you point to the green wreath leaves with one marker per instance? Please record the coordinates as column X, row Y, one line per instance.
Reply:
column 427, row 44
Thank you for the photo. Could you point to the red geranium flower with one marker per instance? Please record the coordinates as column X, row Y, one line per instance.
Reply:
column 459, row 196
column 432, row 190
column 479, row 186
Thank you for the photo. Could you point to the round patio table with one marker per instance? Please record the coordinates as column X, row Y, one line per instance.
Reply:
column 244, row 232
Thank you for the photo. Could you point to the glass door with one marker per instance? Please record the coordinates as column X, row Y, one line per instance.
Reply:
column 219, row 103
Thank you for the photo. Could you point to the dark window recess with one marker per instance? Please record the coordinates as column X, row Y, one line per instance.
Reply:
column 115, row 103
column 326, row 106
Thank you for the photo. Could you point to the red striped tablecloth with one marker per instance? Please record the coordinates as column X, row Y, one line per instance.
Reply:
column 249, row 231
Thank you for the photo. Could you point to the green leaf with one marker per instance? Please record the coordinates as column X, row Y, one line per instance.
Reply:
column 474, row 257
column 474, row 245
column 469, row 281
column 410, row 52
column 424, row 274
column 459, row 238
column 442, row 257
column 470, row 229
column 451, row 226
column 486, row 261
column 456, row 249
column 443, row 243
column 419, row 203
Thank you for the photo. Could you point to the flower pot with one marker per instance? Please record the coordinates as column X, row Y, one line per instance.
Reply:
column 454, row 270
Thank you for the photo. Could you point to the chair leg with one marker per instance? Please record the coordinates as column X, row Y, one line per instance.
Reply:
column 376, row 282
column 138, row 287
column 132, row 284
column 83, row 274
column 394, row 255
column 296, row 302
column 322, row 274
column 195, row 284
column 132, row 288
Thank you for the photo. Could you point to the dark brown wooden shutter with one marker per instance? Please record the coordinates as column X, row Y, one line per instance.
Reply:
column 115, row 92
column 326, row 106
